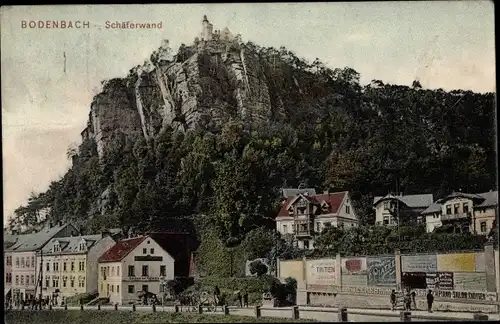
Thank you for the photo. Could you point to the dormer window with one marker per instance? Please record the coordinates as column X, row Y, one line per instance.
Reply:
column 82, row 246
column 57, row 247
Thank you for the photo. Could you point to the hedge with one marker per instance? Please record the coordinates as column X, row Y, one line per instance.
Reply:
column 247, row 284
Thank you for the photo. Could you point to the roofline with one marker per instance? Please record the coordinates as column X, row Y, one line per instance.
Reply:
column 119, row 260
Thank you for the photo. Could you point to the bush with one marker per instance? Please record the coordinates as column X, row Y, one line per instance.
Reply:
column 250, row 285
column 258, row 268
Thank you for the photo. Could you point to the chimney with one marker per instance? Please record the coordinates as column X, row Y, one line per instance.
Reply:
column 105, row 233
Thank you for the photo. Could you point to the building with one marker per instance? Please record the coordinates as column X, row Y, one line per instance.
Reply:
column 25, row 277
column 69, row 264
column 208, row 33
column 304, row 216
column 410, row 208
column 131, row 266
column 464, row 212
column 10, row 239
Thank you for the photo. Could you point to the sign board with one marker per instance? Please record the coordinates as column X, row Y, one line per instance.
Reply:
column 381, row 271
column 419, row 263
column 321, row 272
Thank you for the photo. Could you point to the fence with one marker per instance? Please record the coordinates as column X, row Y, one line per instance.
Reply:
column 342, row 314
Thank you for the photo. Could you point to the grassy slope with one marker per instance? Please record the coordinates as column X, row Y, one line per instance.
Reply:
column 121, row 317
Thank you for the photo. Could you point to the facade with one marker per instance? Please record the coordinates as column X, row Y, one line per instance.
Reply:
column 68, row 265
column 133, row 266
column 304, row 216
column 9, row 241
column 25, row 276
column 465, row 212
column 410, row 206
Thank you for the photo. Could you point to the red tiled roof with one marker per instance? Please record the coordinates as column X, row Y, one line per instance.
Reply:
column 121, row 249
column 333, row 200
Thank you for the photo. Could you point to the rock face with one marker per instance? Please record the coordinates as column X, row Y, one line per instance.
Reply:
column 204, row 85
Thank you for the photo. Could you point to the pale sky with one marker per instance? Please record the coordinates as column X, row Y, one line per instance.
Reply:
column 448, row 44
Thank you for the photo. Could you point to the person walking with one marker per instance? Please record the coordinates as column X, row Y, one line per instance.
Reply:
column 239, row 299
column 393, row 300
column 413, row 300
column 407, row 300
column 430, row 300
column 245, row 299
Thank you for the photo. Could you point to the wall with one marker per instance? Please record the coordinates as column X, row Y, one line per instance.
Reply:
column 354, row 272
column 294, row 269
column 484, row 215
column 321, row 274
column 454, row 277
column 92, row 265
column 26, row 271
column 107, row 278
column 152, row 280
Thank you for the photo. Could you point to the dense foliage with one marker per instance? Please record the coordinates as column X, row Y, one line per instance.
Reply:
column 376, row 240
column 335, row 134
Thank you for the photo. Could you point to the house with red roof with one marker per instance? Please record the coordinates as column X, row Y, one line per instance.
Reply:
column 132, row 267
column 304, row 215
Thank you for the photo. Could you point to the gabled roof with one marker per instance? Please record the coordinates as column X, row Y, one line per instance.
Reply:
column 70, row 244
column 434, row 208
column 412, row 201
column 486, row 199
column 36, row 241
column 121, row 249
column 292, row 192
column 490, row 199
column 334, row 200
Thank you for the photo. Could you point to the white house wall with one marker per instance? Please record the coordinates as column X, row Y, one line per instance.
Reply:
column 153, row 269
column 92, row 266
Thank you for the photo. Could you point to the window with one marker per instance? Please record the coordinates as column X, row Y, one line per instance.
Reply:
column 72, row 282
column 17, row 262
column 152, row 251
column 386, row 220
column 448, row 209
column 293, row 228
column 148, row 242
column 145, row 271
column 57, row 247
column 465, row 206
column 81, row 266
column 32, row 261
column 285, row 229
column 81, row 282
column 32, row 279
column 163, row 270
column 131, row 271
column 64, row 266
column 47, row 282
column 131, row 289
column 112, row 288
column 64, row 282
column 22, row 280
column 82, row 246
column 483, row 227
column 55, row 282
column 72, row 265
column 17, row 280
column 347, row 209
column 306, row 244
column 102, row 286
column 386, row 205
column 117, row 288
column 56, row 266
column 22, row 262
column 318, row 227
column 144, row 251
column 48, row 266
column 456, row 207
column 118, row 270
column 112, row 271
column 145, row 288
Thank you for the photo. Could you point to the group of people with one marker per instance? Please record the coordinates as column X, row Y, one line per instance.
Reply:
column 409, row 300
column 242, row 299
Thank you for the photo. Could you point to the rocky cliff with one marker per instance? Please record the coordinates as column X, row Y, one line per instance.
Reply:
column 203, row 85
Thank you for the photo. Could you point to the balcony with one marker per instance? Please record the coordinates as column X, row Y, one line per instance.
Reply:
column 451, row 217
